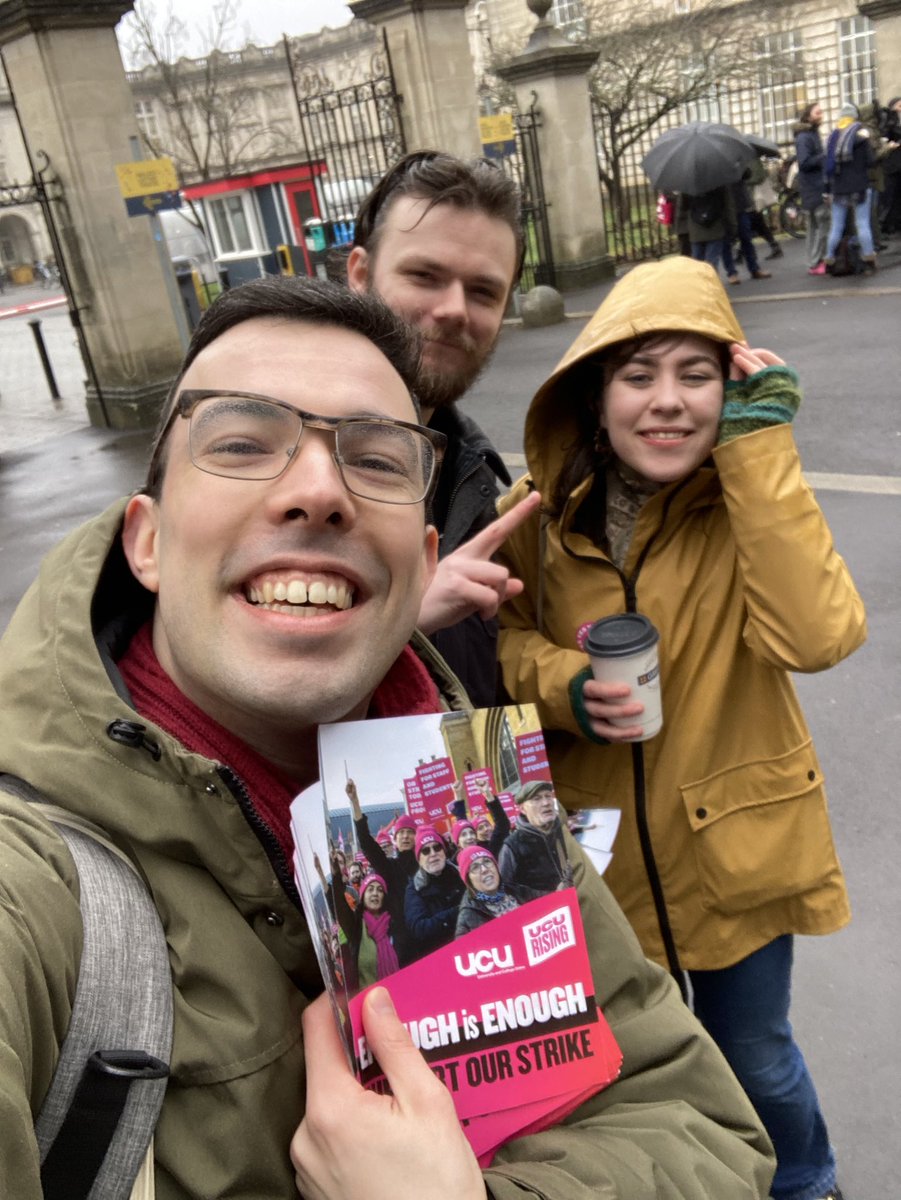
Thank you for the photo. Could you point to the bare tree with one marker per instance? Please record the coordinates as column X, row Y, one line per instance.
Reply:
column 213, row 125
column 653, row 65
column 655, row 61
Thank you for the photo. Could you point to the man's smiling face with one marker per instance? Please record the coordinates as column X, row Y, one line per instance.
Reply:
column 282, row 603
column 447, row 270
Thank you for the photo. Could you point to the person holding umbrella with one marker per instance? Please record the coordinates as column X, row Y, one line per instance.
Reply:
column 744, row 206
column 712, row 225
column 698, row 161
column 662, row 447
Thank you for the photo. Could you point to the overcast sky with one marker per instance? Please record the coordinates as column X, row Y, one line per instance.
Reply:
column 260, row 21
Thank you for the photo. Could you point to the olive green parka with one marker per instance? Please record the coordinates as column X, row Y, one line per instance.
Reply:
column 674, row 1127
column 736, row 567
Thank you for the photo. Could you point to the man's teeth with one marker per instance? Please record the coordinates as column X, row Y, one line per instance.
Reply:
column 282, row 596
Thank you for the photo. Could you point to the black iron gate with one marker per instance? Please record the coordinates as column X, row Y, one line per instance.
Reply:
column 45, row 190
column 355, row 131
column 525, row 167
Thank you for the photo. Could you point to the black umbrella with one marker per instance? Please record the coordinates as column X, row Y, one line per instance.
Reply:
column 762, row 146
column 697, row 157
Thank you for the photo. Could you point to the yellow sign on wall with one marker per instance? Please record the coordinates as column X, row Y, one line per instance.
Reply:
column 147, row 178
column 498, row 128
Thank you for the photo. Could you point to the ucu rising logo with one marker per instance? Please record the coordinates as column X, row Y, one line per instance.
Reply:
column 483, row 962
column 549, row 936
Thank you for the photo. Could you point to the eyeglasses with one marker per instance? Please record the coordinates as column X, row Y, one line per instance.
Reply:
column 432, row 848
column 482, row 864
column 240, row 435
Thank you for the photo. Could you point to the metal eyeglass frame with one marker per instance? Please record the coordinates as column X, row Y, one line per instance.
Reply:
column 187, row 401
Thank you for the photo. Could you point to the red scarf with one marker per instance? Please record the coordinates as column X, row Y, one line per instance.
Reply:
column 406, row 690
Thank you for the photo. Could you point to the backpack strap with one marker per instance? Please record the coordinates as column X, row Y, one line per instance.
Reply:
column 95, row 1128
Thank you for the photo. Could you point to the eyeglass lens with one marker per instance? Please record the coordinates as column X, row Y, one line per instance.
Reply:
column 249, row 438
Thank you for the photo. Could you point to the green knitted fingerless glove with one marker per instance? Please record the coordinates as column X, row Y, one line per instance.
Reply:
column 769, row 397
column 577, row 700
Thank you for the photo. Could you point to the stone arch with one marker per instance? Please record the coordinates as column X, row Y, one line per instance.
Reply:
column 19, row 240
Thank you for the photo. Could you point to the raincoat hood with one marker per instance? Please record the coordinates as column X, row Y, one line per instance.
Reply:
column 676, row 294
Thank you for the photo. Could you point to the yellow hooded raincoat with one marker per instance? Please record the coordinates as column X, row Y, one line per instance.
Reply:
column 725, row 844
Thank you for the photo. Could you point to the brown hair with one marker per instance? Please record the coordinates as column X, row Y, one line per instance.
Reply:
column 439, row 178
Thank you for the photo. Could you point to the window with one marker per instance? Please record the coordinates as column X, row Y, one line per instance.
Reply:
column 569, row 18
column 857, row 59
column 147, row 120
column 232, row 222
column 702, row 108
column 780, row 71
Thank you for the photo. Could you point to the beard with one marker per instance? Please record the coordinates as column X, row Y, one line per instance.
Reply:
column 439, row 387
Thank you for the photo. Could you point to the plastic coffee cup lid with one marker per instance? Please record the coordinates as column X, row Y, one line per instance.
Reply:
column 621, row 635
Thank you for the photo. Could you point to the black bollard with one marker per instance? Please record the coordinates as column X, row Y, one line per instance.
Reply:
column 45, row 361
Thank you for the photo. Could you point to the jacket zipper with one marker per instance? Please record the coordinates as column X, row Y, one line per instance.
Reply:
column 639, row 785
column 453, row 496
column 269, row 841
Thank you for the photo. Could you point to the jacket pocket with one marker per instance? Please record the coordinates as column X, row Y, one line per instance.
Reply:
column 760, row 831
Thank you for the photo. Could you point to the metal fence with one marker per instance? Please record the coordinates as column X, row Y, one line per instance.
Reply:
column 356, row 130
column 525, row 167
column 767, row 105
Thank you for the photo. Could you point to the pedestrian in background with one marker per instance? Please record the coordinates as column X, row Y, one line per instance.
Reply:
column 811, row 159
column 663, row 447
column 890, row 207
column 849, row 156
column 711, row 221
column 744, row 206
column 763, row 197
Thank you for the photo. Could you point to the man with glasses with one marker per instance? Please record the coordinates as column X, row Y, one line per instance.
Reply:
column 165, row 679
column 433, row 895
column 441, row 241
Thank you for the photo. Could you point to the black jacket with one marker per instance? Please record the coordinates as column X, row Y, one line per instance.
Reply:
column 852, row 178
column 396, row 871
column 811, row 165
column 430, row 909
column 475, row 913
column 537, row 860
column 465, row 503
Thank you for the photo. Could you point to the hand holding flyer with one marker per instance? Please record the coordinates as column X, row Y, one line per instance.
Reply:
column 480, row 942
column 345, row 1137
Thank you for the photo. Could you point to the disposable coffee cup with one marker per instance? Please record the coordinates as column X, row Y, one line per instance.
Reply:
column 623, row 649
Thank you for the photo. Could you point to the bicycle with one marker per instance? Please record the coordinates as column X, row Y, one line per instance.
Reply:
column 792, row 215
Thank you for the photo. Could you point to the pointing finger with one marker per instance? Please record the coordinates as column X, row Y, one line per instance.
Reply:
column 493, row 536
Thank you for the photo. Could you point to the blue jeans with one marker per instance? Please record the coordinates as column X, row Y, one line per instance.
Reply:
column 747, row 247
column 840, row 206
column 709, row 252
column 745, row 1010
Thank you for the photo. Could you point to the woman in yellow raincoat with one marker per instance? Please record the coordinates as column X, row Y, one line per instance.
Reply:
column 671, row 486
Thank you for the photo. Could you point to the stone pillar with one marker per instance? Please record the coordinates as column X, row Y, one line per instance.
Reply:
column 886, row 16
column 557, row 71
column 429, row 46
column 67, row 77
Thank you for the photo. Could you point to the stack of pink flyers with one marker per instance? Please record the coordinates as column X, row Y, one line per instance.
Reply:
column 503, row 1007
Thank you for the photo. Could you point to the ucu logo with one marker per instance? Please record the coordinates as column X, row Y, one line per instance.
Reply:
column 483, row 962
